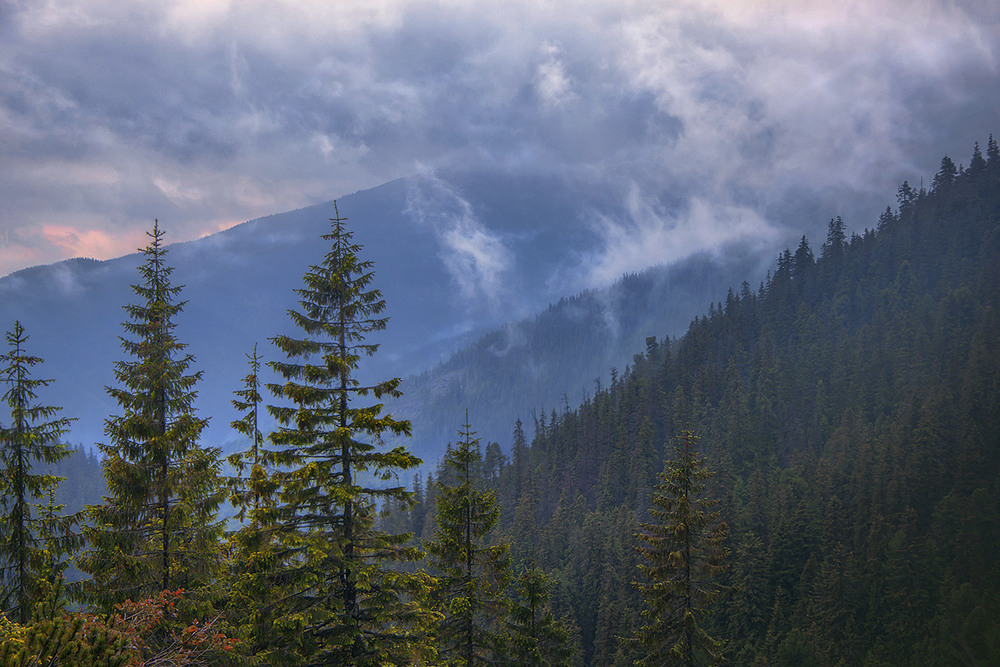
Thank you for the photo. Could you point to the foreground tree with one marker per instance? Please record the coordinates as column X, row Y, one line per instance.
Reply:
column 684, row 551
column 31, row 439
column 344, row 603
column 473, row 573
column 157, row 529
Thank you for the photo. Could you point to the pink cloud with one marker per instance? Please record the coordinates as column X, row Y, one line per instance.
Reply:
column 93, row 243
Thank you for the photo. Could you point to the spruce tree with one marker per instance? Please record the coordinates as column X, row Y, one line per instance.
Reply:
column 683, row 550
column 246, row 592
column 345, row 603
column 248, row 494
column 473, row 573
column 157, row 529
column 536, row 637
column 32, row 438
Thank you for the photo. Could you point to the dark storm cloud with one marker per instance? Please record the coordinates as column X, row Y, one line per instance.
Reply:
column 706, row 119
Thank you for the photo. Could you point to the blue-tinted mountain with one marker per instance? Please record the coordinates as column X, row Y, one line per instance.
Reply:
column 430, row 238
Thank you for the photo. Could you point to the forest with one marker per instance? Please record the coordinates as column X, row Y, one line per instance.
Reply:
column 810, row 475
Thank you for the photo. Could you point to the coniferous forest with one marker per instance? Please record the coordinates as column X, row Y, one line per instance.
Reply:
column 809, row 476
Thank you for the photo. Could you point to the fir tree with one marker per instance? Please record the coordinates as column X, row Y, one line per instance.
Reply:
column 536, row 637
column 803, row 259
column 157, row 529
column 345, row 603
column 683, row 550
column 31, row 438
column 247, row 494
column 835, row 239
column 945, row 176
column 992, row 153
column 247, row 593
column 473, row 573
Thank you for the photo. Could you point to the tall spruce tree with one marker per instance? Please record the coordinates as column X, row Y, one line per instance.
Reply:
column 473, row 573
column 345, row 603
column 683, row 550
column 157, row 529
column 31, row 438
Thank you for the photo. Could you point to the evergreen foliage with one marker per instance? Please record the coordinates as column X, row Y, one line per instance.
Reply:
column 156, row 529
column 249, row 495
column 536, row 638
column 343, row 602
column 684, row 555
column 29, row 540
column 247, row 593
column 851, row 408
column 473, row 573
column 55, row 637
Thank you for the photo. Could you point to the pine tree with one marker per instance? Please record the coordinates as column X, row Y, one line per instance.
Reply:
column 157, row 529
column 683, row 550
column 345, row 603
column 473, row 573
column 31, row 438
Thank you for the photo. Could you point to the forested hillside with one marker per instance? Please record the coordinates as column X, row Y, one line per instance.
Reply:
column 554, row 358
column 850, row 406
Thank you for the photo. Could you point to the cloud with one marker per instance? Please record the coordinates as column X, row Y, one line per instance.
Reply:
column 89, row 243
column 552, row 84
column 476, row 259
column 650, row 234
column 200, row 112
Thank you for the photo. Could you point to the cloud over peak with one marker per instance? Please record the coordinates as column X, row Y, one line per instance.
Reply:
column 204, row 112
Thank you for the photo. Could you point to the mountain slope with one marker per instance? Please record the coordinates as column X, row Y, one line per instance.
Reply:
column 851, row 408
column 559, row 356
column 455, row 256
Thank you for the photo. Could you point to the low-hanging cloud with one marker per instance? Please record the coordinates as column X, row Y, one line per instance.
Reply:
column 476, row 259
column 716, row 113
column 648, row 233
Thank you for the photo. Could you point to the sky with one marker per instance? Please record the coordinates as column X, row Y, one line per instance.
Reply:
column 704, row 116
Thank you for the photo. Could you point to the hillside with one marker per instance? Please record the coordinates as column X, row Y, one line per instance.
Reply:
column 850, row 407
column 557, row 357
column 239, row 283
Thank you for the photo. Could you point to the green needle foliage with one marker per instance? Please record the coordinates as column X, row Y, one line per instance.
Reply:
column 32, row 438
column 250, row 495
column 247, row 593
column 535, row 636
column 157, row 529
column 473, row 573
column 684, row 551
column 343, row 601
column 55, row 637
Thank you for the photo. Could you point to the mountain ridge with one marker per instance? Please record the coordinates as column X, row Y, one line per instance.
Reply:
column 421, row 232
